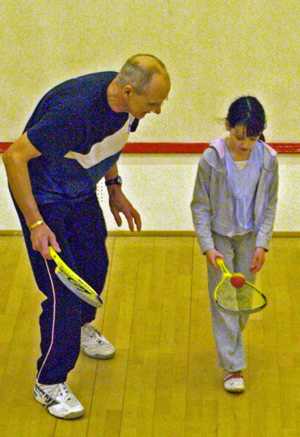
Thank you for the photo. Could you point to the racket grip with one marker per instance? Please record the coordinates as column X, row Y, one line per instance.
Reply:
column 219, row 261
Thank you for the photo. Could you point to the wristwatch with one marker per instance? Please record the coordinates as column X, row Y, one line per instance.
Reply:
column 115, row 181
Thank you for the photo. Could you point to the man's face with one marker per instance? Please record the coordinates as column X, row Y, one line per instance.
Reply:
column 150, row 100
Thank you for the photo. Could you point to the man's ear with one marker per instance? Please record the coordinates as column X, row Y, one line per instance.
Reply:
column 127, row 90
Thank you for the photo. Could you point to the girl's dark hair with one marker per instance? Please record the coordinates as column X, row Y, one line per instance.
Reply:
column 249, row 112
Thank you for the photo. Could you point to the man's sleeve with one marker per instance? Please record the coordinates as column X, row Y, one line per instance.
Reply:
column 57, row 133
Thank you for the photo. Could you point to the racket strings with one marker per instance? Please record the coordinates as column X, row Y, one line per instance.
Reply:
column 76, row 285
column 71, row 280
column 227, row 295
column 244, row 299
column 82, row 292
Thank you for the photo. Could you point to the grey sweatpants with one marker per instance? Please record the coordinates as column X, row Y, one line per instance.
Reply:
column 227, row 328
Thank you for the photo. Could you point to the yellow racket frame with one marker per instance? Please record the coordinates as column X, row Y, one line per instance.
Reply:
column 74, row 282
column 226, row 274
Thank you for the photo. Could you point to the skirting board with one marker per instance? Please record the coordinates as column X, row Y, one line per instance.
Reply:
column 276, row 234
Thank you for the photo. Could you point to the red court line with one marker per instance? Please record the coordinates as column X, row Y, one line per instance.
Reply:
column 165, row 148
column 195, row 147
column 4, row 146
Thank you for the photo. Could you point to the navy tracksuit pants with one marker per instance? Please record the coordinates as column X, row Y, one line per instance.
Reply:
column 81, row 233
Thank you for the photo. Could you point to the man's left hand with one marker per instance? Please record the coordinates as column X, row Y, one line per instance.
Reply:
column 119, row 203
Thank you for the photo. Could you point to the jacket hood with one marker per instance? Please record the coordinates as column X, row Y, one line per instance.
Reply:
column 215, row 158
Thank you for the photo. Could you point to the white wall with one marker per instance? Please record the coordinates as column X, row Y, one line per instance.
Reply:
column 160, row 187
column 215, row 51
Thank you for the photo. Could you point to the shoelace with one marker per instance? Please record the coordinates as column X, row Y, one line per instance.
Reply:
column 62, row 389
column 92, row 332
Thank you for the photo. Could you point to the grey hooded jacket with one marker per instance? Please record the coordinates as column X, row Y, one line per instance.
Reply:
column 211, row 194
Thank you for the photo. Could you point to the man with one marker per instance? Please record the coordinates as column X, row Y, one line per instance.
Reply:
column 73, row 139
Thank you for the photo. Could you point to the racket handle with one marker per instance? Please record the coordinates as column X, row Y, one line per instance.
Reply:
column 219, row 261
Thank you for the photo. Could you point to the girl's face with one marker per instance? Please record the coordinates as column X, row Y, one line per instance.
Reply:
column 238, row 139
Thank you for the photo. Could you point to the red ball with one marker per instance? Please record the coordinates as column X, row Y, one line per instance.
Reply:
column 238, row 280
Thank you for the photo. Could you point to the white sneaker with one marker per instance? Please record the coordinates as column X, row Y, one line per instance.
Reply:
column 94, row 344
column 59, row 400
column 234, row 383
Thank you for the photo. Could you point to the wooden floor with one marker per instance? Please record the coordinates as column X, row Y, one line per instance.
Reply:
column 164, row 381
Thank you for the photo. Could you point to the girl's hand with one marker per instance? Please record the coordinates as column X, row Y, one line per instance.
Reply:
column 211, row 256
column 258, row 259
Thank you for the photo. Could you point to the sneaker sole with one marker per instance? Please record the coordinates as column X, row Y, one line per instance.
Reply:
column 239, row 390
column 99, row 357
column 70, row 416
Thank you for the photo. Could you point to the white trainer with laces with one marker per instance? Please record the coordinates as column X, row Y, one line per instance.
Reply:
column 234, row 383
column 94, row 344
column 59, row 400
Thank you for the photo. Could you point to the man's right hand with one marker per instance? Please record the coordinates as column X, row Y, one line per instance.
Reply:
column 212, row 255
column 42, row 237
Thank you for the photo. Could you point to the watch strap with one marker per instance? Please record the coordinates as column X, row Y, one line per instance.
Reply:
column 114, row 181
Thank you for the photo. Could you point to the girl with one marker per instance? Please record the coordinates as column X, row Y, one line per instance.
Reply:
column 233, row 209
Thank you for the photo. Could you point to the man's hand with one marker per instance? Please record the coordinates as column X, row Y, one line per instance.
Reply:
column 258, row 260
column 212, row 255
column 42, row 237
column 119, row 203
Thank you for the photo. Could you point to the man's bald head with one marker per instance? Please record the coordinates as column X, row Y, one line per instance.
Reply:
column 139, row 70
